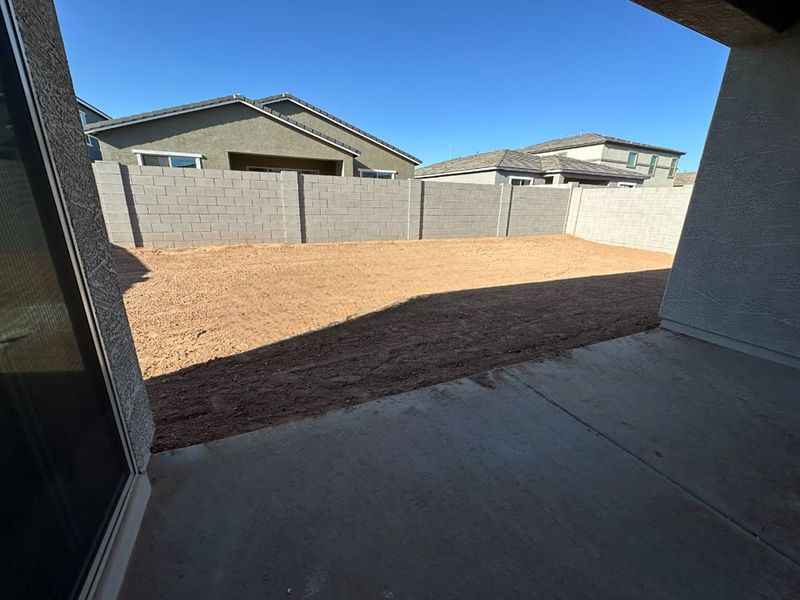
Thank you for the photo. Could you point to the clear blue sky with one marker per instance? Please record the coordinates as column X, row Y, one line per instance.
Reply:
column 423, row 75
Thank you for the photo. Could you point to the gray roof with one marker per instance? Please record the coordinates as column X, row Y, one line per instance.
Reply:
column 515, row 160
column 591, row 139
column 361, row 132
column 83, row 102
column 101, row 126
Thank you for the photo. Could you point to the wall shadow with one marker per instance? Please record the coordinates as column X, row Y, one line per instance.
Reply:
column 136, row 227
column 421, row 342
column 130, row 269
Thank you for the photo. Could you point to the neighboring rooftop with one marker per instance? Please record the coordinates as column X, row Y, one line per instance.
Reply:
column 85, row 104
column 685, row 179
column 93, row 128
column 516, row 160
column 292, row 98
column 591, row 139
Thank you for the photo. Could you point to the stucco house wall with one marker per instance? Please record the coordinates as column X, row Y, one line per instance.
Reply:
column 488, row 177
column 617, row 156
column 214, row 132
column 590, row 153
column 373, row 155
column 737, row 270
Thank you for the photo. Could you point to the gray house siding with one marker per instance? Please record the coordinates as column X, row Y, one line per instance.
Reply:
column 373, row 155
column 216, row 132
column 92, row 145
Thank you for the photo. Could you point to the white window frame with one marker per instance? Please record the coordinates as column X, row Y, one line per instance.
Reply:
column 84, row 123
column 139, row 153
column 651, row 170
column 635, row 156
column 673, row 168
column 626, row 184
column 520, row 178
column 362, row 171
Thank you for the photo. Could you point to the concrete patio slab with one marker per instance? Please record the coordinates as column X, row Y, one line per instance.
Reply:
column 488, row 488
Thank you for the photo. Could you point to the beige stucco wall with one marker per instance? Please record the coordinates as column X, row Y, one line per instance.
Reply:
column 590, row 153
column 617, row 156
column 213, row 133
column 487, row 177
column 373, row 156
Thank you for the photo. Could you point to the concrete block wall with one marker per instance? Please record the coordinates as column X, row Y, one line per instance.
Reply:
column 162, row 207
column 338, row 209
column 645, row 218
column 459, row 210
column 538, row 210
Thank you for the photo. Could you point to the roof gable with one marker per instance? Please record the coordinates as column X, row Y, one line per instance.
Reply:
column 286, row 97
column 99, row 127
column 591, row 139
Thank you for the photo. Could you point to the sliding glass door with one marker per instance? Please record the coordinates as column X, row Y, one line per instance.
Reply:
column 62, row 460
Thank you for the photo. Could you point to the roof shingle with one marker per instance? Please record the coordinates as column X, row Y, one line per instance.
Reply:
column 515, row 160
column 590, row 139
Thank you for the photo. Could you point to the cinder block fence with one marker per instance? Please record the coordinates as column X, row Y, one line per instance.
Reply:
column 163, row 207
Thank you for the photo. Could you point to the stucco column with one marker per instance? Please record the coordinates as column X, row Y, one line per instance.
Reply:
column 736, row 277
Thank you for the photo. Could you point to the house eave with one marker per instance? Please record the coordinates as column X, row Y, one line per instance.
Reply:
column 100, row 127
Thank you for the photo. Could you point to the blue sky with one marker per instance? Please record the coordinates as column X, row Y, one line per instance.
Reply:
column 425, row 76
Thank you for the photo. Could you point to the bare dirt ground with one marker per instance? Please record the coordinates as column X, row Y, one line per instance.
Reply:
column 234, row 338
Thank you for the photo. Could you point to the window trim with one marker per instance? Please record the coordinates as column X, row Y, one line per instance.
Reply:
column 511, row 178
column 139, row 153
column 635, row 157
column 673, row 168
column 362, row 171
column 651, row 170
column 84, row 123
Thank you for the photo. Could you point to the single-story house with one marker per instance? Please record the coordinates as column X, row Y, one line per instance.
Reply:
column 521, row 168
column 658, row 163
column 277, row 133
column 90, row 114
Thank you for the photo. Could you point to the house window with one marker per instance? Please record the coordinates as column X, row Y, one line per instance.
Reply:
column 376, row 174
column 520, row 180
column 653, row 164
column 84, row 123
column 177, row 160
column 673, row 168
column 632, row 158
column 626, row 184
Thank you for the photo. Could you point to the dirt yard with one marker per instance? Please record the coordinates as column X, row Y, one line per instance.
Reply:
column 234, row 338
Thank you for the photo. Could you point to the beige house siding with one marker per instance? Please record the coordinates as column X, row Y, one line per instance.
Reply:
column 589, row 153
column 487, row 177
column 215, row 132
column 617, row 156
column 373, row 155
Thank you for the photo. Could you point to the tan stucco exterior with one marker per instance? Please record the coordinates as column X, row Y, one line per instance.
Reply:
column 216, row 132
column 373, row 155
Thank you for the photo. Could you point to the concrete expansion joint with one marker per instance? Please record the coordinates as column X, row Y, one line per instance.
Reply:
column 735, row 522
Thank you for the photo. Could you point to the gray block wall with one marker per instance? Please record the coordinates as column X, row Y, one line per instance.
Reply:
column 645, row 218
column 341, row 209
column 162, row 207
column 538, row 210
column 462, row 210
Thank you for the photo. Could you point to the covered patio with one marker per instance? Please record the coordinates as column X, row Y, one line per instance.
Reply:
column 240, row 161
column 651, row 466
